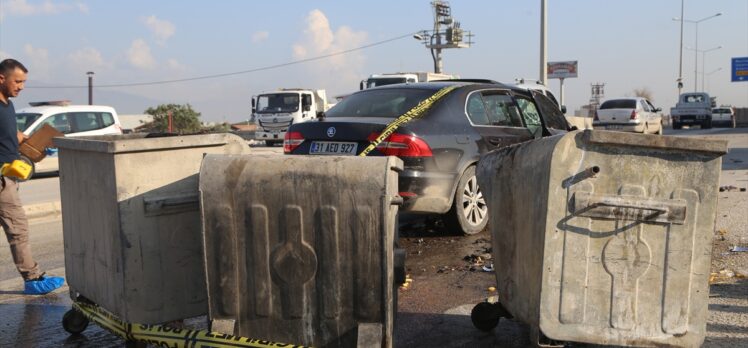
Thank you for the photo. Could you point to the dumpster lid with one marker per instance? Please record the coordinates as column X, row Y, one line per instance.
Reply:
column 141, row 142
column 705, row 145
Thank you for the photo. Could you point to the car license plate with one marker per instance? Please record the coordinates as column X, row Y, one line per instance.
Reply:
column 333, row 148
column 613, row 127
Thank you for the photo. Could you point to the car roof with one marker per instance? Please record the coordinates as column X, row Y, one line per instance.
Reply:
column 45, row 109
column 437, row 85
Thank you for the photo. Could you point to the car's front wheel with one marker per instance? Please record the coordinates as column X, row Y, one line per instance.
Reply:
column 469, row 212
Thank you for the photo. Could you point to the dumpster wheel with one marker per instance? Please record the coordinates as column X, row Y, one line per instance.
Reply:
column 74, row 321
column 485, row 315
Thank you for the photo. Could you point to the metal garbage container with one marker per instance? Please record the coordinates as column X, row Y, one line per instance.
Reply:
column 131, row 222
column 301, row 248
column 605, row 237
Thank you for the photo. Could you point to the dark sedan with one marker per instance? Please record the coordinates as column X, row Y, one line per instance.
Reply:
column 439, row 146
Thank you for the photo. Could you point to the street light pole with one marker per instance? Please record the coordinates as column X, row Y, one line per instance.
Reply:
column 696, row 54
column 680, row 63
column 710, row 74
column 703, row 64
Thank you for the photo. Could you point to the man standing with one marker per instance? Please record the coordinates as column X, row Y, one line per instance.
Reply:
column 12, row 216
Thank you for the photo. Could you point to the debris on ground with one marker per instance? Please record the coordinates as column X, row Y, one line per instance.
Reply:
column 725, row 275
column 406, row 285
column 738, row 249
column 730, row 188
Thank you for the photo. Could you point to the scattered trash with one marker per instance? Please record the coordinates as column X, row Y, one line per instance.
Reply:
column 406, row 285
column 488, row 268
column 730, row 188
column 736, row 249
column 727, row 273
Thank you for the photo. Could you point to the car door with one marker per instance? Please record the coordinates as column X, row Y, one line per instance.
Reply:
column 553, row 119
column 494, row 114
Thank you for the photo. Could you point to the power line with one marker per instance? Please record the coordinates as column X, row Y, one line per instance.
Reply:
column 236, row 72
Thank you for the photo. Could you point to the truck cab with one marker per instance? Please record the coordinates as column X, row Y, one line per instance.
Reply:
column 377, row 80
column 275, row 111
column 693, row 108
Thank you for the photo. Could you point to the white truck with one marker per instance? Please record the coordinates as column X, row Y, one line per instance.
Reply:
column 693, row 108
column 377, row 80
column 275, row 111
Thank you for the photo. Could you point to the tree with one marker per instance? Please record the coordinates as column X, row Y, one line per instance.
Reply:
column 644, row 92
column 184, row 118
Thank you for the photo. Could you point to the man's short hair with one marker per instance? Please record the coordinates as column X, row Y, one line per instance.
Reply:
column 10, row 64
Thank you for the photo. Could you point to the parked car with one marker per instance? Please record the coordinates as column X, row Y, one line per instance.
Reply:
column 440, row 148
column 71, row 120
column 630, row 115
column 724, row 116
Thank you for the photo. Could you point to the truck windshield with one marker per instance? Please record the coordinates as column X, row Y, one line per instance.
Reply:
column 23, row 121
column 277, row 102
column 390, row 102
column 383, row 81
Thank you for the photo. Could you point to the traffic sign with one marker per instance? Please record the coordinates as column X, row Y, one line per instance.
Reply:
column 740, row 69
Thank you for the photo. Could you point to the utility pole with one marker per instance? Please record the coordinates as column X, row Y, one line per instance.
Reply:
column 445, row 34
column 543, row 43
column 90, row 87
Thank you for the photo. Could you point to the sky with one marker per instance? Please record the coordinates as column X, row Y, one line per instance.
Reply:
column 216, row 55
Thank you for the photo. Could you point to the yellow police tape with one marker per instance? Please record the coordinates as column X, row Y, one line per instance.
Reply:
column 164, row 336
column 412, row 114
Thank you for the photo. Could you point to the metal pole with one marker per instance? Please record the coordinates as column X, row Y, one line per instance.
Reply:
column 703, row 66
column 696, row 60
column 561, row 92
column 543, row 45
column 90, row 87
column 680, row 63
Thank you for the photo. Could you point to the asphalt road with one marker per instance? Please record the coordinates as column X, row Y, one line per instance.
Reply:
column 434, row 311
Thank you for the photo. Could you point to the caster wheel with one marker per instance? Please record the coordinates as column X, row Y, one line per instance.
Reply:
column 485, row 316
column 74, row 322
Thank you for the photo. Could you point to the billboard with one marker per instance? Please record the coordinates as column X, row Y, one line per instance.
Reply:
column 739, row 69
column 562, row 70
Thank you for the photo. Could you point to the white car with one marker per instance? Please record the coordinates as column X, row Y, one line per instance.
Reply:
column 71, row 120
column 629, row 114
column 723, row 116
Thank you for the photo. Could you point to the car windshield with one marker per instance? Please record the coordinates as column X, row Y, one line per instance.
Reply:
column 23, row 121
column 383, row 81
column 277, row 102
column 619, row 104
column 390, row 102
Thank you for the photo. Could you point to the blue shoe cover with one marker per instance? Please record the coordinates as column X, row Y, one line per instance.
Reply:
column 42, row 285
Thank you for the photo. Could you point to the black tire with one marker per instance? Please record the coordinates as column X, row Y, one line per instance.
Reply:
column 677, row 125
column 706, row 124
column 469, row 212
column 485, row 316
column 74, row 322
column 660, row 129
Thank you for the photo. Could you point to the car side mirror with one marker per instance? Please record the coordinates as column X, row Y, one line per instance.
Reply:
column 361, row 85
column 320, row 115
column 253, row 105
column 563, row 109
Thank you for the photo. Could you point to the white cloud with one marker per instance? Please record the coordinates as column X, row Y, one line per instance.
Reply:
column 319, row 39
column 161, row 29
column 38, row 61
column 139, row 55
column 23, row 8
column 175, row 65
column 260, row 36
column 87, row 59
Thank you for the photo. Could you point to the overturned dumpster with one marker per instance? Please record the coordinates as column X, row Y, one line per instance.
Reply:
column 301, row 249
column 131, row 224
column 605, row 237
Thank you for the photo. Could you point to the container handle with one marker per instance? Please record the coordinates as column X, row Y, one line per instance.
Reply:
column 621, row 207
column 171, row 204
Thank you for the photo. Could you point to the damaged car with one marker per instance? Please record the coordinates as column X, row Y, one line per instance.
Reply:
column 439, row 144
